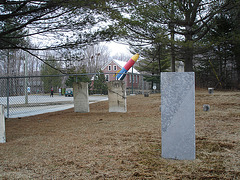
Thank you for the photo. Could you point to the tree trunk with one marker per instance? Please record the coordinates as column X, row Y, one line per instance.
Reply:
column 188, row 60
column 188, row 56
column 237, row 59
column 237, row 51
column 172, row 48
column 159, row 59
column 171, row 27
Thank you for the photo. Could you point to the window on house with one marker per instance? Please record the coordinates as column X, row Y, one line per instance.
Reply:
column 114, row 67
column 109, row 67
column 130, row 79
column 136, row 78
column 107, row 77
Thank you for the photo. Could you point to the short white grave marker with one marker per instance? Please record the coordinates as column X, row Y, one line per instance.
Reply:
column 2, row 125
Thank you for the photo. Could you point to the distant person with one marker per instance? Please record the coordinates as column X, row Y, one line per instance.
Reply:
column 51, row 92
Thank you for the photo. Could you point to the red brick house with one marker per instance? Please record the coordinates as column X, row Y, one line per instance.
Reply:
column 113, row 66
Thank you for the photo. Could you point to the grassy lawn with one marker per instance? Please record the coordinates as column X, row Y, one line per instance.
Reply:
column 103, row 145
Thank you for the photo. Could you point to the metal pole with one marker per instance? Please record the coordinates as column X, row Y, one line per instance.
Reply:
column 160, row 83
column 8, row 97
column 142, row 85
column 26, row 82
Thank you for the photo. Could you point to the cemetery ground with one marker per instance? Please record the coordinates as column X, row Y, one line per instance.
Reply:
column 103, row 145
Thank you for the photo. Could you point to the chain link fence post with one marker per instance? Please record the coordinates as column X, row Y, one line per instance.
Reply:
column 7, row 94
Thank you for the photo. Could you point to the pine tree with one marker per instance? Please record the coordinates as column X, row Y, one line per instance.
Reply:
column 50, row 76
column 99, row 85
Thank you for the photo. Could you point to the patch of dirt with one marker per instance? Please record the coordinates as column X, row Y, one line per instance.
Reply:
column 103, row 145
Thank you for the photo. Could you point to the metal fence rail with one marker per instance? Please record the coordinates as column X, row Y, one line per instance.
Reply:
column 26, row 94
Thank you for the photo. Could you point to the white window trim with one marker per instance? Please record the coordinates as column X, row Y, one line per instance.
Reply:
column 109, row 67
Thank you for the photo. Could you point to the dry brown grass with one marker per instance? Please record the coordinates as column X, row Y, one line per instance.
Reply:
column 103, row 145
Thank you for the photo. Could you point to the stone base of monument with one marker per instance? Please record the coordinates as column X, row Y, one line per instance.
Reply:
column 178, row 115
column 80, row 94
column 2, row 125
column 117, row 96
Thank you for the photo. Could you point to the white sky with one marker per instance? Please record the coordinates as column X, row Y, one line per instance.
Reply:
column 117, row 48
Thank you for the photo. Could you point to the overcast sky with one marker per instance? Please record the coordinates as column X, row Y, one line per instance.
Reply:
column 117, row 48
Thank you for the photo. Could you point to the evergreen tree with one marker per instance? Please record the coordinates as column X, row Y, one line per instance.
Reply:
column 235, row 14
column 81, row 76
column 155, row 60
column 99, row 85
column 50, row 76
column 183, row 23
column 218, row 65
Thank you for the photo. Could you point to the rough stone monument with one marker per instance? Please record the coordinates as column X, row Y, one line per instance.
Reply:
column 117, row 96
column 2, row 125
column 178, row 115
column 80, row 94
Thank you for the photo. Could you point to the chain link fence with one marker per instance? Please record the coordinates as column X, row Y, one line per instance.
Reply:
column 37, row 94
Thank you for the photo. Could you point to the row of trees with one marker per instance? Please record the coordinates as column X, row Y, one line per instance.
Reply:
column 203, row 34
column 12, row 62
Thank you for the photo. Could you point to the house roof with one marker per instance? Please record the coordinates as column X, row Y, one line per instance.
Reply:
column 121, row 65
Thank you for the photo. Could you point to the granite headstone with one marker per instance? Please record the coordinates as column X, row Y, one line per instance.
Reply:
column 178, row 115
column 80, row 94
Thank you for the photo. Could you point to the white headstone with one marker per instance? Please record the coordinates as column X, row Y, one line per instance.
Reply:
column 80, row 94
column 178, row 115
column 210, row 90
column 179, row 66
column 2, row 125
column 117, row 96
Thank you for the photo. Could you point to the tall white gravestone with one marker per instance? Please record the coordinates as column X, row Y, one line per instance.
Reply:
column 2, row 125
column 80, row 94
column 178, row 115
column 117, row 96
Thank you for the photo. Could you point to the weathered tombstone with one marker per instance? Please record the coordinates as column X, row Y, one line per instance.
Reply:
column 2, row 125
column 179, row 66
column 206, row 107
column 117, row 96
column 178, row 115
column 80, row 94
column 210, row 90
